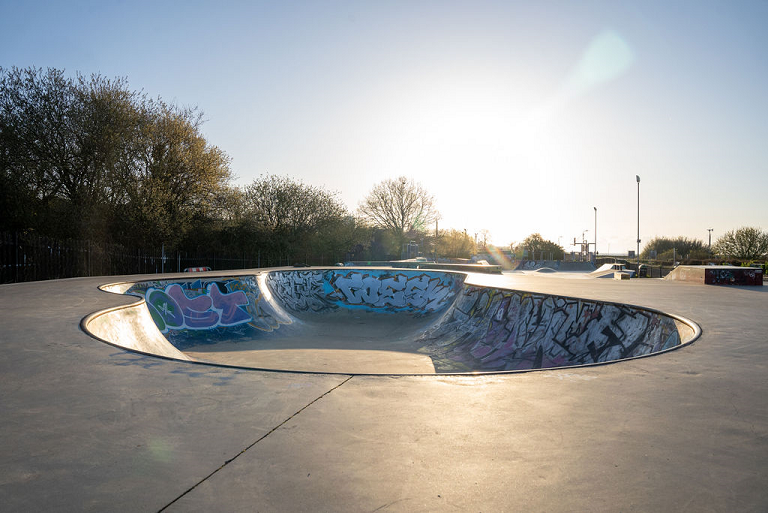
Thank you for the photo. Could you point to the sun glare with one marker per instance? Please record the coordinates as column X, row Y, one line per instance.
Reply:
column 494, row 148
column 486, row 157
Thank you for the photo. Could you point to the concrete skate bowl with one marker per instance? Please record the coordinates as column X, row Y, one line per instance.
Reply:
column 377, row 321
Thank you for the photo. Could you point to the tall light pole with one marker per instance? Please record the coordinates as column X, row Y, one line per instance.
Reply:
column 595, row 234
column 709, row 248
column 637, row 177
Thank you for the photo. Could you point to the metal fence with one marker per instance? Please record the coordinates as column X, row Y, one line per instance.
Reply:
column 652, row 271
column 30, row 257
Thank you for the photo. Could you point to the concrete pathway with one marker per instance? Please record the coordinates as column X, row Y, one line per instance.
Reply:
column 90, row 427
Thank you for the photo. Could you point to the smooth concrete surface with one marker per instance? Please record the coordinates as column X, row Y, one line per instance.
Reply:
column 91, row 427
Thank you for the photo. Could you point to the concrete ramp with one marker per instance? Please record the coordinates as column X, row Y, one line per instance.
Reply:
column 383, row 321
column 609, row 270
column 131, row 327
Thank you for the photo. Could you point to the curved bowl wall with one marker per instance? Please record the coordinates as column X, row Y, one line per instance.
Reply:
column 460, row 327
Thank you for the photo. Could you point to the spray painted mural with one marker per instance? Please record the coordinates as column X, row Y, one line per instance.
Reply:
column 231, row 304
column 492, row 329
column 377, row 290
column 472, row 328
column 171, row 308
column 237, row 303
column 733, row 276
column 299, row 291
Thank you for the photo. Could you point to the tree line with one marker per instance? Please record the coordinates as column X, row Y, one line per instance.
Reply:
column 743, row 244
column 87, row 158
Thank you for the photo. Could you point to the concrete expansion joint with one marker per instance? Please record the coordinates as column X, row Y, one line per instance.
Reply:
column 227, row 462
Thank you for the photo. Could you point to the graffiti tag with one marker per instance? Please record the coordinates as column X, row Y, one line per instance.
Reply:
column 507, row 330
column 299, row 291
column 171, row 308
column 421, row 292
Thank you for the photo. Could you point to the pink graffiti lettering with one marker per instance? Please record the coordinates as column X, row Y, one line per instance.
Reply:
column 229, row 306
column 196, row 311
column 172, row 309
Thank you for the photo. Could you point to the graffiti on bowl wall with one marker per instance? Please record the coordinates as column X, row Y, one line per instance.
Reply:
column 471, row 328
column 317, row 291
column 208, row 304
column 427, row 292
column 494, row 329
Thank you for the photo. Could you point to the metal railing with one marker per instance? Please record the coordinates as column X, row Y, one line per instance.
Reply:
column 32, row 257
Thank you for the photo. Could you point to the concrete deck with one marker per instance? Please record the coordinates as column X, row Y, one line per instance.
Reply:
column 87, row 426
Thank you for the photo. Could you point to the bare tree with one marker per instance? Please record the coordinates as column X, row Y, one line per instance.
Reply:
column 486, row 235
column 401, row 206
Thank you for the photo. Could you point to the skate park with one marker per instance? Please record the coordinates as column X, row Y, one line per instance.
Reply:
column 380, row 321
column 333, row 177
column 94, row 424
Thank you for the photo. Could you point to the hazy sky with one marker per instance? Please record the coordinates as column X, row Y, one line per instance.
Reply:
column 519, row 117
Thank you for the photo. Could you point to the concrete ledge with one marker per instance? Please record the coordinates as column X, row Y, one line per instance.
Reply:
column 407, row 264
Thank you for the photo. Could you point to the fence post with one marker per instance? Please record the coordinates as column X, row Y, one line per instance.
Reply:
column 36, row 257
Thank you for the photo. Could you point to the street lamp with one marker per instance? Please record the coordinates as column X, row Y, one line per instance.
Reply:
column 637, row 177
column 595, row 235
column 709, row 248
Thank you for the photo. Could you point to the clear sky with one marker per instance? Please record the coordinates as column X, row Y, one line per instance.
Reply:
column 519, row 117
